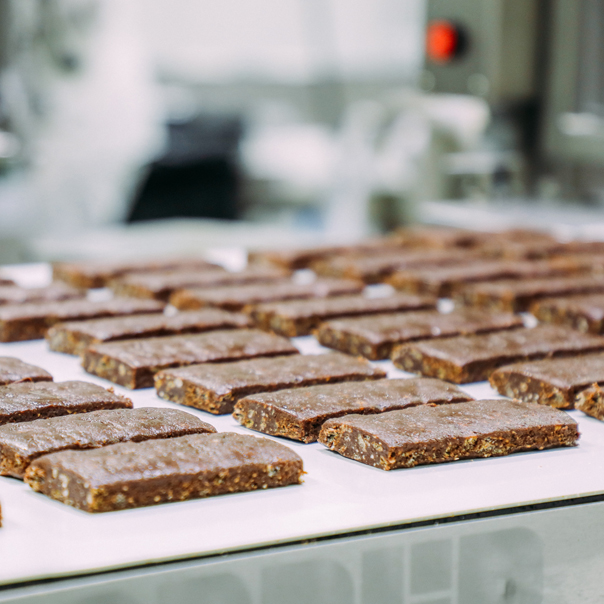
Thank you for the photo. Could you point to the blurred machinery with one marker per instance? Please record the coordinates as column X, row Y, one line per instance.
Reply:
column 538, row 63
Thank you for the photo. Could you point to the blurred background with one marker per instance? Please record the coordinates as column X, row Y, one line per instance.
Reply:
column 131, row 127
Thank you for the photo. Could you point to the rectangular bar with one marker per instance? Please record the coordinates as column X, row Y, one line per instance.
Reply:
column 160, row 286
column 554, row 382
column 14, row 294
column 14, row 370
column 444, row 281
column 299, row 413
column 216, row 388
column 299, row 317
column 437, row 434
column 585, row 313
column 375, row 269
column 75, row 337
column 294, row 259
column 464, row 359
column 21, row 443
column 130, row 475
column 27, row 401
column 374, row 337
column 591, row 401
column 90, row 274
column 516, row 296
column 133, row 363
column 237, row 297
column 31, row 321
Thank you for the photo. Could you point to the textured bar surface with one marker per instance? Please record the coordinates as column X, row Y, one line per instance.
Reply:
column 129, row 475
column 374, row 337
column 300, row 317
column 97, row 274
column 299, row 413
column 14, row 370
column 31, row 321
column 304, row 257
column 585, row 313
column 436, row 434
column 554, row 382
column 75, row 337
column 591, row 401
column 236, row 297
column 27, row 401
column 518, row 295
column 13, row 294
column 21, row 443
column 161, row 285
column 133, row 363
column 373, row 269
column 466, row 359
column 217, row 387
column 445, row 280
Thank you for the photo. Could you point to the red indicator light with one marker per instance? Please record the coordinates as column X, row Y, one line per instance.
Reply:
column 442, row 41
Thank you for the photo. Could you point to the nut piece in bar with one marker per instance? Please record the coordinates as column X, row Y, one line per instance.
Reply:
column 130, row 475
column 27, row 401
column 374, row 337
column 464, row 359
column 435, row 434
column 299, row 413
column 75, row 337
column 21, row 443
column 237, row 297
column 443, row 281
column 585, row 313
column 97, row 273
column 31, row 321
column 374, row 269
column 161, row 285
column 217, row 387
column 299, row 317
column 133, row 363
column 554, row 382
column 14, row 370
column 518, row 295
column 13, row 294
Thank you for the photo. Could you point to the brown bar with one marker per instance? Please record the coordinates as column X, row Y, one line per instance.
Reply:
column 515, row 296
column 299, row 317
column 5, row 281
column 217, row 387
column 21, row 443
column 294, row 259
column 444, row 281
column 98, row 273
column 375, row 269
column 554, row 382
column 27, row 401
column 585, row 313
column 160, row 286
column 133, row 363
column 436, row 434
column 464, row 359
column 591, row 401
column 13, row 370
column 130, row 475
column 299, row 413
column 75, row 337
column 13, row 294
column 31, row 321
column 237, row 297
column 374, row 337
